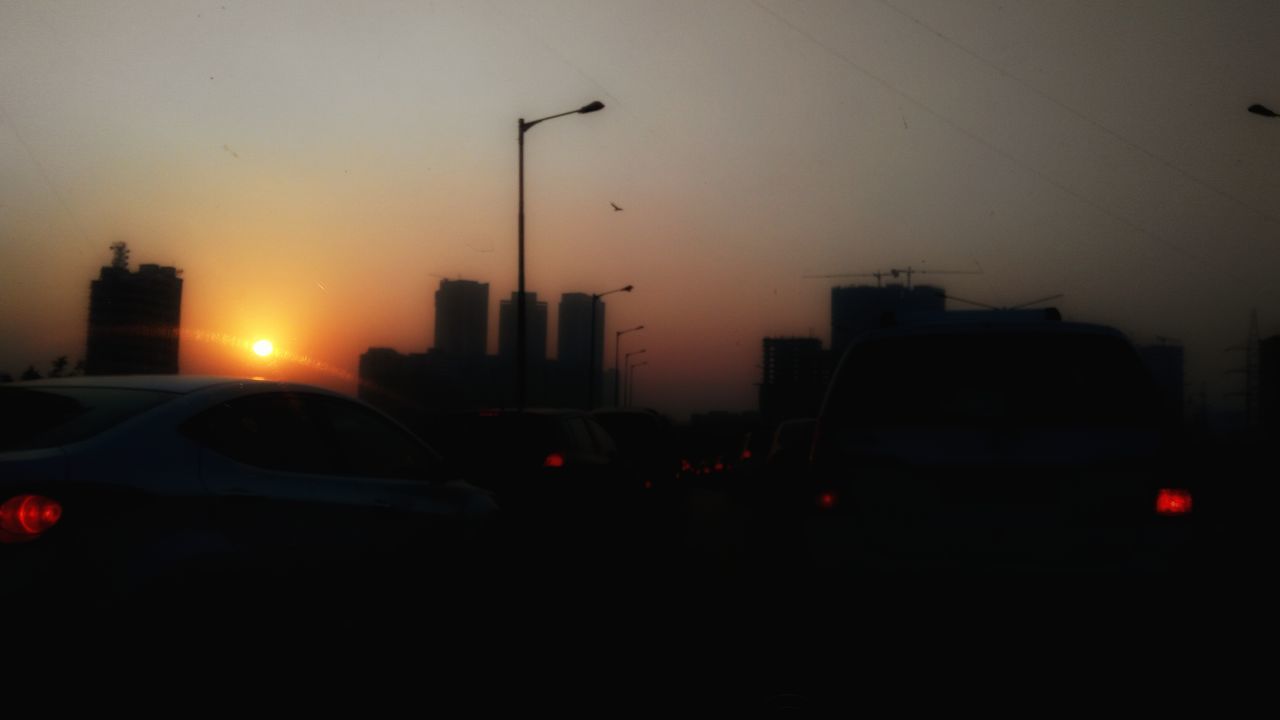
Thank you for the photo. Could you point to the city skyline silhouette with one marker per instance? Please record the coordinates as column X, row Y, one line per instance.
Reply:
column 315, row 173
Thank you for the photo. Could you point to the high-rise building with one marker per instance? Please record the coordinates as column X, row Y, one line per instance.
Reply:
column 573, row 342
column 857, row 309
column 462, row 318
column 577, row 366
column 535, row 328
column 133, row 319
column 794, row 379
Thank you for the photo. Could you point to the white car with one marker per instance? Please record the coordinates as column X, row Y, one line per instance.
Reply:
column 114, row 485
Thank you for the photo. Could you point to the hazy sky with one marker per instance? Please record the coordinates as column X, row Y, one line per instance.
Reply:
column 316, row 167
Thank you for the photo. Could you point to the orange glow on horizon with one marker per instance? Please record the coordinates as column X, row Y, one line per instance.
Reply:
column 280, row 359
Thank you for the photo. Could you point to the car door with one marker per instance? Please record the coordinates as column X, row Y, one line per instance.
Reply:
column 422, row 512
column 286, row 492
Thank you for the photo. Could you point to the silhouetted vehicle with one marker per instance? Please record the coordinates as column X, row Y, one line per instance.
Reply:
column 537, row 458
column 997, row 440
column 567, row 502
column 645, row 444
column 118, row 486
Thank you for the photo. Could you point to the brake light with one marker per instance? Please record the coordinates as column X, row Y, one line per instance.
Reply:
column 746, row 454
column 554, row 460
column 1173, row 501
column 827, row 500
column 26, row 517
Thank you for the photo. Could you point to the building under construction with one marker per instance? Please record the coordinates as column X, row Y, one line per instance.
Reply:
column 134, row 319
column 857, row 309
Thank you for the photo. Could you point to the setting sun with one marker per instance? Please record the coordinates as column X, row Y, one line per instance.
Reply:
column 262, row 347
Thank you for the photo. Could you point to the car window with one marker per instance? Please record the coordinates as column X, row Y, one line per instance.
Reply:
column 275, row 431
column 603, row 441
column 577, row 436
column 976, row 380
column 33, row 418
column 369, row 445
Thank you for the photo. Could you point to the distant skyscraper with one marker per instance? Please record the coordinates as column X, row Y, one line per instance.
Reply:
column 535, row 326
column 133, row 319
column 794, row 378
column 573, row 342
column 462, row 318
column 857, row 309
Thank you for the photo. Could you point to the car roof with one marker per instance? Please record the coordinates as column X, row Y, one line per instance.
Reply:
column 988, row 323
column 541, row 412
column 160, row 383
column 176, row 384
column 625, row 412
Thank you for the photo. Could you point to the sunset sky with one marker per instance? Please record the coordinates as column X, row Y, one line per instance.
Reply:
column 315, row 168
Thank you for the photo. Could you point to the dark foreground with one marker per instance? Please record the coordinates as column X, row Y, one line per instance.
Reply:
column 695, row 613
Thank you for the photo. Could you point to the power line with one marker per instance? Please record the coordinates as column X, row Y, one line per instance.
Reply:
column 1079, row 115
column 1200, row 260
column 44, row 174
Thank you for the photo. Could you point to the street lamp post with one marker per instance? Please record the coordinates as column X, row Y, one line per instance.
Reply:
column 591, row 372
column 627, row 364
column 617, row 368
column 521, row 321
column 631, row 381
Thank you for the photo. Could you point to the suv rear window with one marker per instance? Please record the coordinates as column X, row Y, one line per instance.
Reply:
column 1008, row 379
column 34, row 418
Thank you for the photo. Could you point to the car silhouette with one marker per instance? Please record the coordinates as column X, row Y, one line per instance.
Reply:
column 113, row 487
column 995, row 440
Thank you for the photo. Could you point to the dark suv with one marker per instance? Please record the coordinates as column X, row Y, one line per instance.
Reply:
column 994, row 440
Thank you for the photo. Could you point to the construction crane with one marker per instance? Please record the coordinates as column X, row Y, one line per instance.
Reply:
column 877, row 275
column 120, row 255
column 895, row 273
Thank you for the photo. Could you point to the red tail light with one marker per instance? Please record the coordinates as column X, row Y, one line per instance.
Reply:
column 554, row 460
column 746, row 454
column 1173, row 501
column 827, row 500
column 26, row 517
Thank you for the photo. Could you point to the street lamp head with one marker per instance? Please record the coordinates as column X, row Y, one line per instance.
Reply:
column 628, row 288
column 597, row 105
column 1263, row 110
